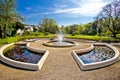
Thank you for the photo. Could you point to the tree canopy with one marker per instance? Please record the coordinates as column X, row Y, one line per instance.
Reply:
column 49, row 25
column 110, row 17
column 8, row 16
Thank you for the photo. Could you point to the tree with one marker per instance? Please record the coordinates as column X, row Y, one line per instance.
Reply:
column 8, row 14
column 110, row 17
column 45, row 24
column 49, row 25
column 67, row 29
column 53, row 28
column 88, row 29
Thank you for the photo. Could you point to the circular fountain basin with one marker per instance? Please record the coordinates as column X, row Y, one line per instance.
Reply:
column 56, row 43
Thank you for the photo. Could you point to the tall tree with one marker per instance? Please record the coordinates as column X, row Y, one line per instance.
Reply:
column 8, row 14
column 49, row 25
column 88, row 29
column 110, row 17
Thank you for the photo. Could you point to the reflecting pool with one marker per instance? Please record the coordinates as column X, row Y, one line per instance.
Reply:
column 99, row 53
column 22, row 54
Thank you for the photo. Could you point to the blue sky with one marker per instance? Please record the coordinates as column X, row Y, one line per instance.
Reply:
column 65, row 12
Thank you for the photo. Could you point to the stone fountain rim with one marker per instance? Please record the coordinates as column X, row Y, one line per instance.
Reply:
column 23, row 65
column 95, row 65
column 47, row 43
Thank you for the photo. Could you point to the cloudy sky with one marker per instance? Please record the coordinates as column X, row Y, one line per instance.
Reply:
column 65, row 12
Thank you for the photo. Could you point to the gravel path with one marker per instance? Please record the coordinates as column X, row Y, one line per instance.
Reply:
column 60, row 65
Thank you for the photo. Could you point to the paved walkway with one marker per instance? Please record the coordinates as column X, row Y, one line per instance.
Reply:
column 60, row 65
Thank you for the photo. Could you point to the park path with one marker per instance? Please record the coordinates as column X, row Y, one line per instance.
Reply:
column 60, row 65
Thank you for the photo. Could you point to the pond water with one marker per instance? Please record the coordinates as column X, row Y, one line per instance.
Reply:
column 99, row 53
column 20, row 53
column 61, row 43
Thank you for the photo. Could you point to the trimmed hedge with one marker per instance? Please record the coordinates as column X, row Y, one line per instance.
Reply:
column 95, row 38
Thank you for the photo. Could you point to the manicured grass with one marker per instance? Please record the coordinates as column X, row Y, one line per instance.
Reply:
column 13, row 39
column 42, row 35
column 3, row 41
column 96, row 38
column 8, row 40
column 20, row 38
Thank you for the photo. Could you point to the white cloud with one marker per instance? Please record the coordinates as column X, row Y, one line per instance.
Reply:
column 60, row 6
column 83, row 7
column 28, row 8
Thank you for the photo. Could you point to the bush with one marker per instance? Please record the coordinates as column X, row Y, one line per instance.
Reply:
column 46, row 33
column 118, row 35
column 96, row 38
column 73, row 34
column 26, row 33
column 108, row 33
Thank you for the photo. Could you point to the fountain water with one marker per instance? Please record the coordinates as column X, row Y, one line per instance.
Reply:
column 60, row 42
column 60, row 37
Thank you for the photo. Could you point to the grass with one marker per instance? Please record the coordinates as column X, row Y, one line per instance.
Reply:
column 42, row 35
column 96, row 38
column 3, row 41
column 8, row 40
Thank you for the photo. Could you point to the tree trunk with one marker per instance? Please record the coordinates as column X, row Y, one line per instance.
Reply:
column 0, row 33
column 4, row 32
column 114, row 35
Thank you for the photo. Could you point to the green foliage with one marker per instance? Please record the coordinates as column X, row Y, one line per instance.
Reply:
column 12, row 39
column 42, row 35
column 110, row 17
column 73, row 34
column 8, row 40
column 118, row 35
column 19, row 25
column 26, row 33
column 89, row 29
column 73, row 29
column 49, row 25
column 96, row 38
column 3, row 41
column 46, row 33
column 21, row 38
column 8, row 17
column 108, row 33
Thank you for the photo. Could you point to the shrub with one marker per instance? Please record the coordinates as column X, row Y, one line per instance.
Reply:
column 26, row 33
column 73, row 34
column 46, row 33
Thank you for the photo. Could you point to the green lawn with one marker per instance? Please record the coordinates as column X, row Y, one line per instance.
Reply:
column 19, row 38
column 96, row 38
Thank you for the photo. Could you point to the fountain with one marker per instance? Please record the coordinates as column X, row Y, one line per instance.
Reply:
column 60, row 37
column 28, row 57
column 59, row 42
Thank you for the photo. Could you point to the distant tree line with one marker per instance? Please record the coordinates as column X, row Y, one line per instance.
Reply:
column 107, row 23
column 85, row 29
column 48, row 25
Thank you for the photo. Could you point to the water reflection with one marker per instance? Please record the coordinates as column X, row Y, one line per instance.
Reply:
column 100, row 53
column 20, row 53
